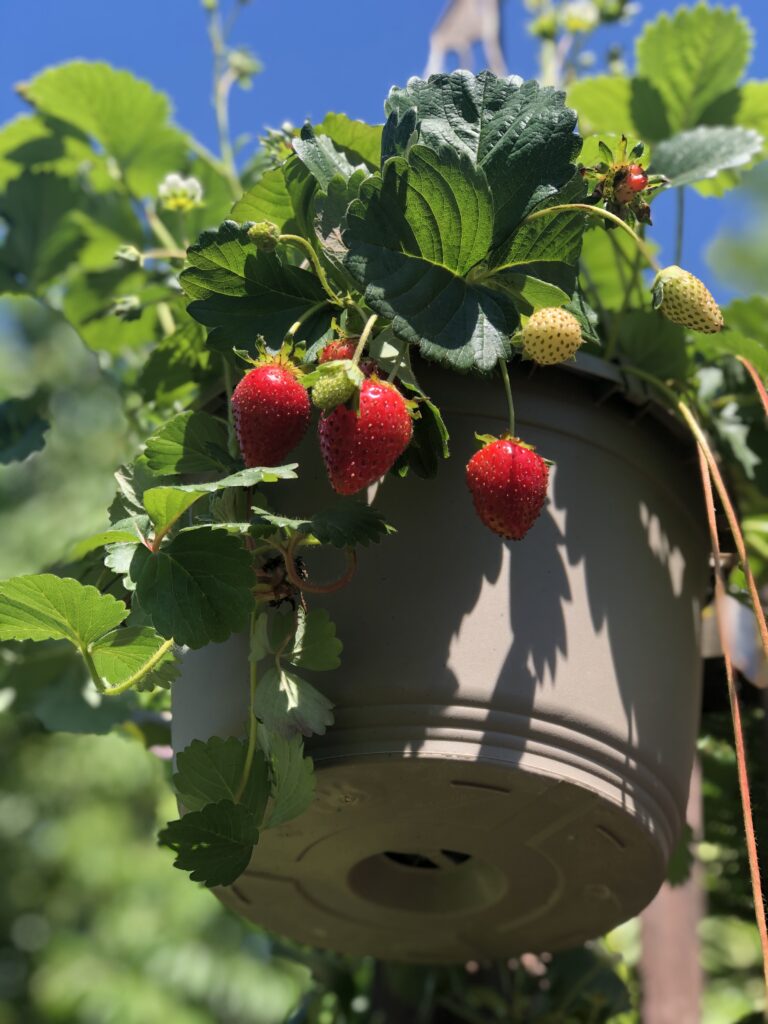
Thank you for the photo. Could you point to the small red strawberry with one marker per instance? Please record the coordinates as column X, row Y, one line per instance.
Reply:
column 341, row 348
column 628, row 182
column 508, row 481
column 271, row 411
column 359, row 447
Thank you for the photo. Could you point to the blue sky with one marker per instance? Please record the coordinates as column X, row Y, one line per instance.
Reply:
column 319, row 55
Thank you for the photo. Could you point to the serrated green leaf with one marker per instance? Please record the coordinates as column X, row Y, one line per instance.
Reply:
column 704, row 151
column 197, row 588
column 530, row 293
column 429, row 443
column 242, row 293
column 691, row 58
column 244, row 478
column 321, row 158
column 520, row 134
column 555, row 238
column 267, row 200
column 212, row 771
column 315, row 645
column 287, row 704
column 124, row 114
column 344, row 524
column 47, row 607
column 360, row 142
column 411, row 236
column 124, row 532
column 331, row 214
column 166, row 505
column 90, row 299
column 42, row 240
column 22, row 428
column 293, row 779
column 176, row 367
column 214, row 844
column 192, row 442
column 123, row 652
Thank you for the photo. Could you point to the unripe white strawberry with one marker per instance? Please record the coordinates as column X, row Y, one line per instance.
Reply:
column 551, row 335
column 684, row 299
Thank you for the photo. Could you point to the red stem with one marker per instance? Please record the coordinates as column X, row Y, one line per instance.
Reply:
column 761, row 390
column 738, row 731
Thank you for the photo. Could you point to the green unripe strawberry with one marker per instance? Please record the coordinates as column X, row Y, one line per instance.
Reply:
column 333, row 389
column 551, row 336
column 684, row 299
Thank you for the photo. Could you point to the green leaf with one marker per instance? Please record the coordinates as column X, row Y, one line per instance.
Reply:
column 429, row 443
column 692, row 58
column 411, row 236
column 344, row 524
column 520, row 134
column 242, row 293
column 555, row 238
column 125, row 533
column 703, row 151
column 652, row 343
column 321, row 158
column 243, row 478
column 192, row 442
column 529, row 292
column 165, row 505
column 609, row 258
column 315, row 645
column 89, row 303
column 122, row 113
column 22, row 429
column 211, row 771
column 197, row 588
column 287, row 704
column 360, row 142
column 176, row 367
column 603, row 104
column 730, row 344
column 268, row 200
column 214, row 844
column 331, row 214
column 42, row 239
column 293, row 779
column 47, row 607
column 123, row 652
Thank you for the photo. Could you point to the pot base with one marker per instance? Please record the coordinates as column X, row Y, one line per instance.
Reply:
column 430, row 860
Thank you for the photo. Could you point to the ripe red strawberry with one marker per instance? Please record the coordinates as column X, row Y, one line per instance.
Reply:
column 341, row 348
column 508, row 481
column 271, row 411
column 358, row 448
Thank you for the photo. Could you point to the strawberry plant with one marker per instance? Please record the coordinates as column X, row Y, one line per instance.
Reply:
column 488, row 221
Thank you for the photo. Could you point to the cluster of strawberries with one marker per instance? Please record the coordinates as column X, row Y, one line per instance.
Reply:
column 366, row 423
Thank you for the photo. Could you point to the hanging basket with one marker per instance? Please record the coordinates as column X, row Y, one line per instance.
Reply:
column 515, row 722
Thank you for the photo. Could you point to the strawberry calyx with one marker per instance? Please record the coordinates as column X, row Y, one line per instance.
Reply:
column 486, row 439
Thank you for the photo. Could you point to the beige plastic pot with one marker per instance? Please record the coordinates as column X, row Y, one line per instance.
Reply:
column 515, row 722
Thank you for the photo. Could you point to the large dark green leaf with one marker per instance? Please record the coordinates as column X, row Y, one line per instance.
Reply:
column 520, row 134
column 212, row 771
column 555, row 238
column 214, row 844
column 242, row 293
column 197, row 589
column 360, row 142
column 412, row 236
column 344, row 524
column 192, row 442
column 321, row 158
column 22, row 428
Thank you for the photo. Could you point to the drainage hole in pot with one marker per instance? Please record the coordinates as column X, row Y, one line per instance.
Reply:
column 417, row 860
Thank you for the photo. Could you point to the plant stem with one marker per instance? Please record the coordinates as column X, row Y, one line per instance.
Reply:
column 164, row 254
column 508, row 391
column 369, row 325
column 162, row 233
column 680, row 226
column 597, row 211
column 93, row 672
column 223, row 80
column 760, row 387
column 252, row 727
column 145, row 669
column 306, row 315
column 165, row 316
column 309, row 252
column 738, row 731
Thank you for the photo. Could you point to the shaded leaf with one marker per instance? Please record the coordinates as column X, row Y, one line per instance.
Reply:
column 192, row 442
column 22, row 429
column 293, row 779
column 360, row 142
column 211, row 771
column 344, row 524
column 123, row 652
column 315, row 644
column 214, row 844
column 287, row 704
column 321, row 158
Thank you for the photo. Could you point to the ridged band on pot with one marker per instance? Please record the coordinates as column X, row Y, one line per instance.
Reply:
column 515, row 721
